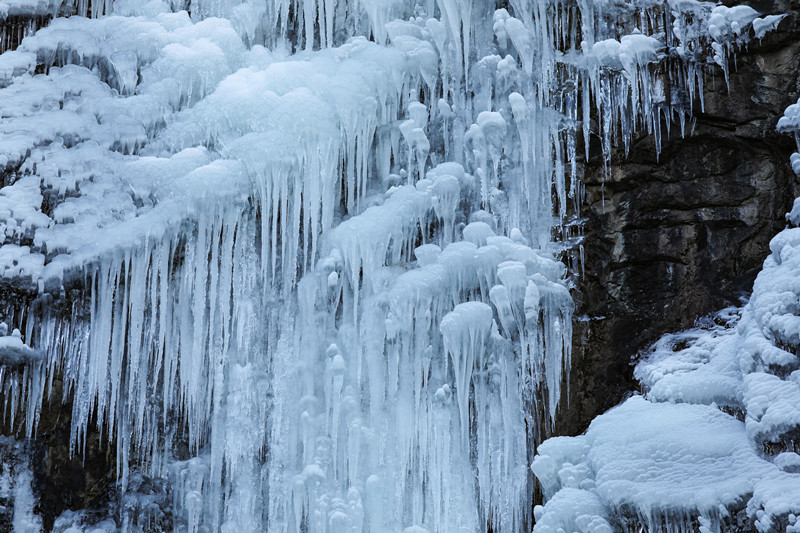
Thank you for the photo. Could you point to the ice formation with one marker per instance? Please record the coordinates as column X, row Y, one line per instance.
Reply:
column 715, row 434
column 296, row 260
column 15, row 486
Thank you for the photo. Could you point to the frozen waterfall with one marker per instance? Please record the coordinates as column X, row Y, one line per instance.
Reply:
column 301, row 261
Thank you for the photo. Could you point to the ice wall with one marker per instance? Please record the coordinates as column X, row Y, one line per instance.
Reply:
column 310, row 247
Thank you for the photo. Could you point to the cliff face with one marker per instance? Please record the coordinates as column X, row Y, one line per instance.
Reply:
column 674, row 236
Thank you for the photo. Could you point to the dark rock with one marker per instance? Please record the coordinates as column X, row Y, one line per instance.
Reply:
column 65, row 479
column 670, row 238
column 15, row 28
column 84, row 478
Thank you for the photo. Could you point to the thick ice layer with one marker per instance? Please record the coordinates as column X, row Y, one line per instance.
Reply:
column 398, row 401
column 660, row 462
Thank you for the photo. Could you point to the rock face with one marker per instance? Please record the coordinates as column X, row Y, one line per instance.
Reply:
column 670, row 238
column 64, row 480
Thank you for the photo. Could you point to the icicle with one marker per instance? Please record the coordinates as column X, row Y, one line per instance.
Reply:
column 465, row 330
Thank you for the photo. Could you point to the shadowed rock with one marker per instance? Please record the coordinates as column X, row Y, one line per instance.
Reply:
column 670, row 238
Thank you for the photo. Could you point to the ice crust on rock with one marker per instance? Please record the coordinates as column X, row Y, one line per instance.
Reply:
column 310, row 245
column 13, row 350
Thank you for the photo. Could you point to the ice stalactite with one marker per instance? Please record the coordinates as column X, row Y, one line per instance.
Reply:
column 464, row 331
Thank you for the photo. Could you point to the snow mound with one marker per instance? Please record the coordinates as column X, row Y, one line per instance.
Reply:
column 663, row 461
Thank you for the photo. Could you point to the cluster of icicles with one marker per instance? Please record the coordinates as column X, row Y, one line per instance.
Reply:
column 347, row 309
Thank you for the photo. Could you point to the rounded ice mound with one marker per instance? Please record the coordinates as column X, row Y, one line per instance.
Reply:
column 427, row 254
column 469, row 319
column 663, row 461
column 661, row 458
column 477, row 233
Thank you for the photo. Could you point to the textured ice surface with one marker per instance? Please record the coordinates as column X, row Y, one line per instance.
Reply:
column 699, row 366
column 657, row 464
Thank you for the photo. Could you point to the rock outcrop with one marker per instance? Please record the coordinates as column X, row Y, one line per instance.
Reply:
column 674, row 236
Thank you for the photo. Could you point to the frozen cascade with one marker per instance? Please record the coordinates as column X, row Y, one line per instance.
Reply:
column 296, row 259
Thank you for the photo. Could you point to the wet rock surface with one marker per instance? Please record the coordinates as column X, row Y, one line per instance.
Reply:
column 65, row 479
